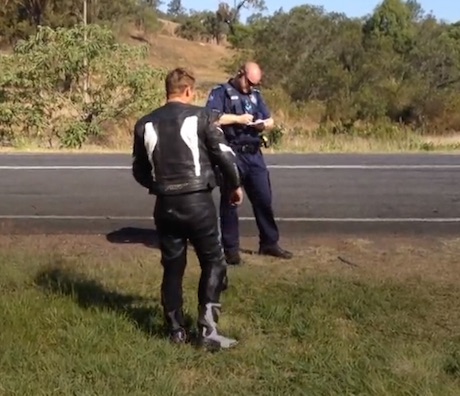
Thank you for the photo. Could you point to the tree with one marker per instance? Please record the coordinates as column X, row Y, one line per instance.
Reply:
column 392, row 21
column 231, row 15
column 175, row 8
column 20, row 18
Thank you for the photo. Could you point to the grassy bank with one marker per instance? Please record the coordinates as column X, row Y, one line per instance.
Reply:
column 345, row 317
column 297, row 131
column 121, row 142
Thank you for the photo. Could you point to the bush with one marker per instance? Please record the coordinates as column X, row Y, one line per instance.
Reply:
column 42, row 93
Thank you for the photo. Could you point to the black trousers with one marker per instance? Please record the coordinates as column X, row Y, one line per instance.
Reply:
column 179, row 219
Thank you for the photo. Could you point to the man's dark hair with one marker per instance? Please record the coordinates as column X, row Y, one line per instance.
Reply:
column 178, row 80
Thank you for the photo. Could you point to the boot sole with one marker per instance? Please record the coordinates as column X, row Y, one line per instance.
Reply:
column 214, row 346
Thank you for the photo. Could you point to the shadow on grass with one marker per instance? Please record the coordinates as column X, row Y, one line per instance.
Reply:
column 134, row 235
column 89, row 294
column 250, row 252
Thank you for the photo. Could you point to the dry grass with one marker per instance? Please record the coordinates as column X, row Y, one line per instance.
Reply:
column 120, row 141
column 431, row 258
column 169, row 51
column 308, row 143
column 204, row 59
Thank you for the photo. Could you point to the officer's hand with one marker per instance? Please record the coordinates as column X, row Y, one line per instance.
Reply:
column 245, row 119
column 236, row 197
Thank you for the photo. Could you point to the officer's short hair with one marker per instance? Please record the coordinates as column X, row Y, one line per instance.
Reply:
column 178, row 79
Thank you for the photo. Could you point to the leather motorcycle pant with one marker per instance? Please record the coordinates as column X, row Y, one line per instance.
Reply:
column 179, row 219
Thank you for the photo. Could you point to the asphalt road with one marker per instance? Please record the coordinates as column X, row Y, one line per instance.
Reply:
column 355, row 194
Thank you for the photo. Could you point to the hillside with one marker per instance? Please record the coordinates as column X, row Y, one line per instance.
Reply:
column 383, row 114
column 168, row 50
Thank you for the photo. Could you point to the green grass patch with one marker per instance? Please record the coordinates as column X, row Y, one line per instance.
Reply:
column 85, row 325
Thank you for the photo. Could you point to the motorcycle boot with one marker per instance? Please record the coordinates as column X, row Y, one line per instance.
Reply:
column 208, row 336
column 176, row 327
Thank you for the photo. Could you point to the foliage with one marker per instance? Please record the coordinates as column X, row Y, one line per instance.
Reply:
column 19, row 19
column 214, row 25
column 398, row 66
column 202, row 26
column 42, row 84
column 175, row 9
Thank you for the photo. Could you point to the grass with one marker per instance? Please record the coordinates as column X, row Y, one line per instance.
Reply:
column 308, row 143
column 80, row 316
column 121, row 142
column 168, row 50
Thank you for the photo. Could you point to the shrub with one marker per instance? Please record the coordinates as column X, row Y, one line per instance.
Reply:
column 42, row 85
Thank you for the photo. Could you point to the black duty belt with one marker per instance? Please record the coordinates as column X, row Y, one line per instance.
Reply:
column 246, row 148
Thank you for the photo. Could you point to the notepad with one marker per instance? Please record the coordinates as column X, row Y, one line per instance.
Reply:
column 257, row 122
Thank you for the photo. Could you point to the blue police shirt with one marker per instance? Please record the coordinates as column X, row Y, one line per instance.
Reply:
column 252, row 103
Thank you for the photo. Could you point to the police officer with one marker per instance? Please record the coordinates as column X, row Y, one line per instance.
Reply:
column 239, row 96
column 175, row 150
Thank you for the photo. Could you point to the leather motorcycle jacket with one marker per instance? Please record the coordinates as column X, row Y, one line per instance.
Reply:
column 176, row 149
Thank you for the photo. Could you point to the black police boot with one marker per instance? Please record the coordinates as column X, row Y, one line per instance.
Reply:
column 232, row 258
column 176, row 326
column 208, row 337
column 275, row 251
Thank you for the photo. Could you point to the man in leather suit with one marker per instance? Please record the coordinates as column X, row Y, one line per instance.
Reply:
column 175, row 150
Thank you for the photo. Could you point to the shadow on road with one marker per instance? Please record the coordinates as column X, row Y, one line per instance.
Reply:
column 145, row 236
column 88, row 293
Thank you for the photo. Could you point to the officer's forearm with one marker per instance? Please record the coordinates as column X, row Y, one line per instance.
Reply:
column 228, row 119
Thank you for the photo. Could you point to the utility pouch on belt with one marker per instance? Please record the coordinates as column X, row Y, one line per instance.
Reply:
column 264, row 141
